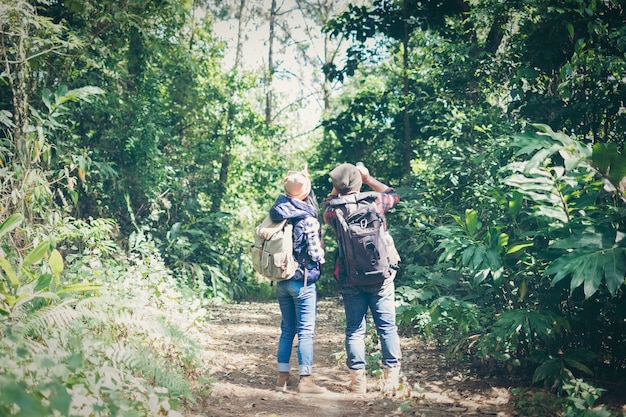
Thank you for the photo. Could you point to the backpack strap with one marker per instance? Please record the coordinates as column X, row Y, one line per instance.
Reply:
column 306, row 273
column 269, row 228
column 353, row 198
column 304, row 256
column 341, row 219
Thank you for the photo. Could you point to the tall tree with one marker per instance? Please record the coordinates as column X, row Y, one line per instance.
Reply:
column 406, row 34
column 241, row 23
column 269, row 75
column 228, row 129
column 316, row 47
column 393, row 20
column 29, row 111
column 571, row 61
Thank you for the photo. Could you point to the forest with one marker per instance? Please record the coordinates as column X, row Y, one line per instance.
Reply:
column 141, row 141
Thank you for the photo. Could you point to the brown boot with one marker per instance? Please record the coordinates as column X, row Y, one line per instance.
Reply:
column 391, row 380
column 358, row 381
column 281, row 381
column 307, row 386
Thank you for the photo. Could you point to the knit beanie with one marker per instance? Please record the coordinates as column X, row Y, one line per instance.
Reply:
column 346, row 178
column 297, row 185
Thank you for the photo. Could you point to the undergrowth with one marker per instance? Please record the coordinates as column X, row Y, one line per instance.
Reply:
column 126, row 342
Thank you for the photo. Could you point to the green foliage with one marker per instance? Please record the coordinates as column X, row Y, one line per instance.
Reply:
column 533, row 403
column 566, row 207
column 569, row 59
column 414, row 295
column 554, row 370
column 23, row 285
column 147, row 153
column 512, row 245
column 599, row 258
column 27, row 184
column 454, row 318
column 516, row 335
column 609, row 162
column 56, row 108
column 480, row 254
column 364, row 130
column 132, row 348
column 581, row 396
column 586, row 235
column 496, row 291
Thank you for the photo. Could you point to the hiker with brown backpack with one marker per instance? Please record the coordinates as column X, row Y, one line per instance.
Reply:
column 365, row 269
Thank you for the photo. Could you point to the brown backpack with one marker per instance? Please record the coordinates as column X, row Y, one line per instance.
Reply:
column 367, row 250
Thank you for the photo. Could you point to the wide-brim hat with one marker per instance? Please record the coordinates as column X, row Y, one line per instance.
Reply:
column 297, row 185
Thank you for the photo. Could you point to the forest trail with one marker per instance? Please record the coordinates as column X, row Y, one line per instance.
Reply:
column 241, row 342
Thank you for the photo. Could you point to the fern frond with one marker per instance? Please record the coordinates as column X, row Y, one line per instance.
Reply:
column 59, row 315
column 145, row 363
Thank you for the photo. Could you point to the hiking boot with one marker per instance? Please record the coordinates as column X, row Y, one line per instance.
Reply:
column 391, row 380
column 358, row 381
column 281, row 381
column 307, row 386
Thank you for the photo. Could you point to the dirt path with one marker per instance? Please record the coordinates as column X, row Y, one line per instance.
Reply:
column 242, row 341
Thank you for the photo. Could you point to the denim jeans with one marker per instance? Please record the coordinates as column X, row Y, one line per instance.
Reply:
column 298, row 307
column 380, row 299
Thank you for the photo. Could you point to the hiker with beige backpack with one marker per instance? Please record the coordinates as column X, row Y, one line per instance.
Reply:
column 288, row 250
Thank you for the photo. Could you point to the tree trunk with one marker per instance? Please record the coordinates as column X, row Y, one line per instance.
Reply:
column 16, row 68
column 408, row 148
column 240, row 26
column 218, row 196
column 496, row 33
column 328, row 59
column 270, row 66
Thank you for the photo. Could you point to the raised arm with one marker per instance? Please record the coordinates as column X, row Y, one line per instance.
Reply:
column 372, row 182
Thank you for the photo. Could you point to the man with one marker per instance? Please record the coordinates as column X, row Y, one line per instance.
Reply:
column 378, row 298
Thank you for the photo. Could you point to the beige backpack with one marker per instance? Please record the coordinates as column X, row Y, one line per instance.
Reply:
column 272, row 251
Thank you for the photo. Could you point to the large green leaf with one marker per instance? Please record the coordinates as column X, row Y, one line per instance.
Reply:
column 471, row 221
column 587, row 267
column 79, row 287
column 36, row 254
column 532, row 326
column 516, row 204
column 9, row 272
column 518, row 247
column 530, row 142
column 603, row 156
column 56, row 263
column 541, row 188
column 609, row 161
column 615, row 269
column 10, row 223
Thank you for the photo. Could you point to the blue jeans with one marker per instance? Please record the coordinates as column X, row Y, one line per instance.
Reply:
column 380, row 299
column 298, row 307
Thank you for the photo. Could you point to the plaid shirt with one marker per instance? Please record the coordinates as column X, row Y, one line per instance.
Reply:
column 311, row 230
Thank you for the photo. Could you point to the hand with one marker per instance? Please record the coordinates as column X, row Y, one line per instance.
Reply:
column 365, row 173
column 369, row 180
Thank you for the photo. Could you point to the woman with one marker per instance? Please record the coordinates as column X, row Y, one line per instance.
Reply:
column 297, row 297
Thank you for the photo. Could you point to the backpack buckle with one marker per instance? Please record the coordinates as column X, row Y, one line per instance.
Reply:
column 363, row 223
